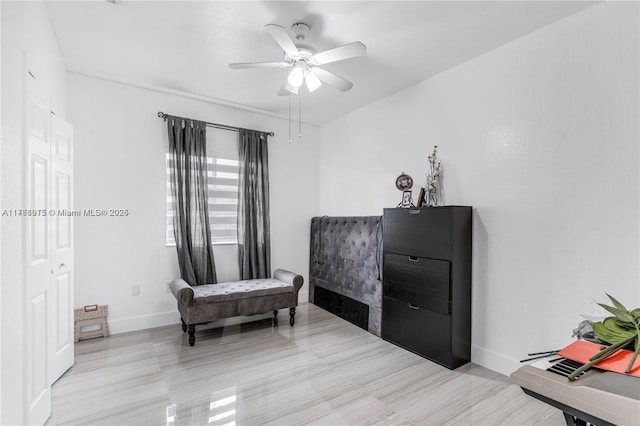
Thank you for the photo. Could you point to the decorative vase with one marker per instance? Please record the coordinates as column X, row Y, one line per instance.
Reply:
column 432, row 192
column 432, row 178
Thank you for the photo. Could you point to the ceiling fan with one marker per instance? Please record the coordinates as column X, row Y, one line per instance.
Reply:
column 305, row 61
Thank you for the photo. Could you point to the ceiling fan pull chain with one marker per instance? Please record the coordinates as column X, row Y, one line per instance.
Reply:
column 289, row 118
column 300, row 115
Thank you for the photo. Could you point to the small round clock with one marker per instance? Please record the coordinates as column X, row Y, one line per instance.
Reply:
column 404, row 182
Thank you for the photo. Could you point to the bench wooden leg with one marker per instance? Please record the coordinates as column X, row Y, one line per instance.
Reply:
column 192, row 334
column 292, row 316
column 184, row 325
column 275, row 317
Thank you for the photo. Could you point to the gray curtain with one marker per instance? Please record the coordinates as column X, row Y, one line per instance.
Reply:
column 187, row 156
column 254, row 241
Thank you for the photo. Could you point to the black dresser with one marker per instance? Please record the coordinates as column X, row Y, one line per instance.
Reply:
column 426, row 306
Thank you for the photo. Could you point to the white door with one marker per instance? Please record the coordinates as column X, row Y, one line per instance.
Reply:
column 48, row 252
column 38, row 271
column 61, row 294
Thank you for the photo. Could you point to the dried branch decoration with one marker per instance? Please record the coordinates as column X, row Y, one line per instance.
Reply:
column 433, row 174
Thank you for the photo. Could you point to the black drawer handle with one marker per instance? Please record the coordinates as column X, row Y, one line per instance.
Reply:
column 413, row 259
column 412, row 306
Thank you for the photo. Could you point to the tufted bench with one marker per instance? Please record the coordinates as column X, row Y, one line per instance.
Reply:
column 204, row 303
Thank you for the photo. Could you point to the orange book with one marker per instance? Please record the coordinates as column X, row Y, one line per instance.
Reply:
column 581, row 351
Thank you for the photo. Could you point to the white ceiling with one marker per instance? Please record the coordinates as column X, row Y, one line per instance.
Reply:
column 187, row 45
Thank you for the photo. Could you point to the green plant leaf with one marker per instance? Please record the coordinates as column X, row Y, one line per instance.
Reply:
column 625, row 325
column 610, row 332
column 616, row 303
column 620, row 327
column 620, row 314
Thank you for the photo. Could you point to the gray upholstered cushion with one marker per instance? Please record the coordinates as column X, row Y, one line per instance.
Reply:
column 236, row 290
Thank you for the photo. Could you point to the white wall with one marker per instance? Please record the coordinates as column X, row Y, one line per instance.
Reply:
column 541, row 137
column 26, row 32
column 1, row 206
column 120, row 147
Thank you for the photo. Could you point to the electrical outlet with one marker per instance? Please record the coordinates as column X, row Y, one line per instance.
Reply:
column 135, row 290
column 167, row 287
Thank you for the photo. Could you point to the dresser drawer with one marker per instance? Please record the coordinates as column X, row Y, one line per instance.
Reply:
column 423, row 282
column 424, row 232
column 422, row 331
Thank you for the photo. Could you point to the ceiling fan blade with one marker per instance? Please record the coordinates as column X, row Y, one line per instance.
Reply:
column 346, row 51
column 331, row 79
column 242, row 65
column 286, row 89
column 281, row 37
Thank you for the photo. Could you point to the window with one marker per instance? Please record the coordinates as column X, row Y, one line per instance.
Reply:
column 222, row 173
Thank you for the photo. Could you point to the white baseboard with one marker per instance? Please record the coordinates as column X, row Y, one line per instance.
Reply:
column 303, row 295
column 493, row 360
column 143, row 322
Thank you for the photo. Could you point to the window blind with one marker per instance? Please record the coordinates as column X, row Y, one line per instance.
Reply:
column 222, row 181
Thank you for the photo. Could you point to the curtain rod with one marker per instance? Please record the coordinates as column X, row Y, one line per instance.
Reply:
column 217, row 126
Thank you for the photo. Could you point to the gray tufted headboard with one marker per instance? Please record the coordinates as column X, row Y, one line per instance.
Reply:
column 346, row 258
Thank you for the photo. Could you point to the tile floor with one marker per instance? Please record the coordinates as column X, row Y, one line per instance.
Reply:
column 322, row 371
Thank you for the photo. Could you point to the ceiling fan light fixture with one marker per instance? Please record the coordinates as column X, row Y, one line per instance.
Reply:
column 296, row 76
column 313, row 82
column 305, row 61
column 291, row 89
